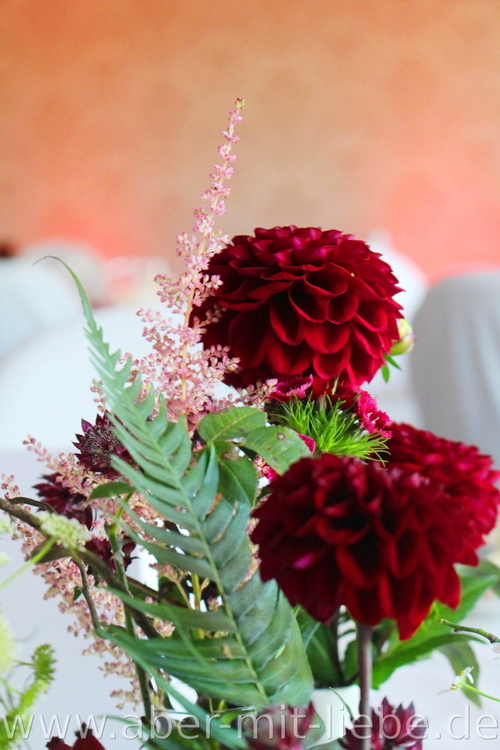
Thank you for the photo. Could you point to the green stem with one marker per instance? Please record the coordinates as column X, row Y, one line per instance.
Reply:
column 365, row 681
column 479, row 692
column 195, row 582
column 112, row 531
column 32, row 561
column 465, row 629
column 335, row 650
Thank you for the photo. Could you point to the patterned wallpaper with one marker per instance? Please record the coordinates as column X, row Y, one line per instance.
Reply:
column 360, row 114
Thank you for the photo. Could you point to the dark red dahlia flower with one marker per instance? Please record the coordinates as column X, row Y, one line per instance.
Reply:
column 381, row 540
column 98, row 444
column 64, row 502
column 463, row 472
column 391, row 728
column 302, row 302
column 278, row 728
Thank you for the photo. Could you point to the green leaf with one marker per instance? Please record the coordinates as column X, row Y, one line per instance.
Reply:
column 111, row 489
column 392, row 361
column 485, row 568
column 410, row 651
column 233, row 423
column 261, row 660
column 279, row 446
column 319, row 643
column 238, row 479
column 473, row 587
column 432, row 634
column 461, row 655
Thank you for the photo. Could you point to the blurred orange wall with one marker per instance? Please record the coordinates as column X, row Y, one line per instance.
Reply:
column 360, row 114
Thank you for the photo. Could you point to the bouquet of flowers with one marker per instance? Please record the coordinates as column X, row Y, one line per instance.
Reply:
column 300, row 538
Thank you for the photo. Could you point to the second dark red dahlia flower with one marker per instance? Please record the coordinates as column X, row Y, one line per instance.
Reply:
column 300, row 301
column 381, row 540
column 462, row 471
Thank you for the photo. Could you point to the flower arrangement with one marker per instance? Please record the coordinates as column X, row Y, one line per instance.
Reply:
column 300, row 538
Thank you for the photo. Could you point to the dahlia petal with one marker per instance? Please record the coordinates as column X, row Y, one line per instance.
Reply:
column 343, row 308
column 288, row 328
column 311, row 257
column 327, row 339
column 285, row 358
column 314, row 309
column 246, row 346
column 361, row 563
column 329, row 366
column 372, row 316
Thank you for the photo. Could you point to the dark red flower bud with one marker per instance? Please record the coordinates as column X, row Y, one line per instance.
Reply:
column 85, row 740
column 278, row 728
column 56, row 743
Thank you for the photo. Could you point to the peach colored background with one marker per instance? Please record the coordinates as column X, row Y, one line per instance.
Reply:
column 360, row 114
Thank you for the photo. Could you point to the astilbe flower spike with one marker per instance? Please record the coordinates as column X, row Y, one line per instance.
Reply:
column 301, row 301
column 185, row 375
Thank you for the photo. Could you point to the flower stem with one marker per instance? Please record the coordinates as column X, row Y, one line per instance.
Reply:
column 479, row 692
column 112, row 531
column 365, row 681
column 466, row 629
column 32, row 561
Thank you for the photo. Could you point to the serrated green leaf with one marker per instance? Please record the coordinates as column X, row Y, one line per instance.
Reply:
column 233, row 423
column 279, row 446
column 238, row 479
column 111, row 489
column 410, row 651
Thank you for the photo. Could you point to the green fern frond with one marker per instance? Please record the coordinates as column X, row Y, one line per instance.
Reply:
column 260, row 660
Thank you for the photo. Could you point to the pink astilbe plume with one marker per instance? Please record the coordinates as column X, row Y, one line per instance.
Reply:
column 180, row 370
